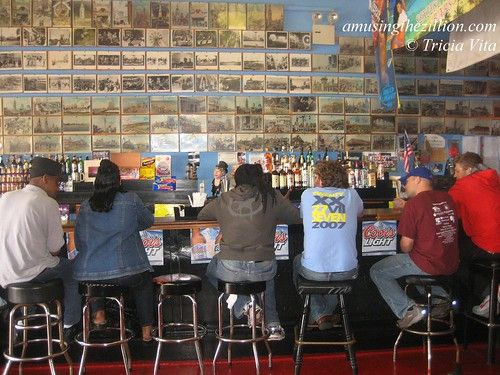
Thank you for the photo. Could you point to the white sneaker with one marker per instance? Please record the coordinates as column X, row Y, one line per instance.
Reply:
column 276, row 333
column 484, row 308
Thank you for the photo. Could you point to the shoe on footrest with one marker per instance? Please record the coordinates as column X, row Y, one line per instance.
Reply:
column 411, row 317
column 247, row 311
column 276, row 333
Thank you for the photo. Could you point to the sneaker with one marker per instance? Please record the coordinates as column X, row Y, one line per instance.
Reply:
column 71, row 332
column 483, row 309
column 276, row 333
column 247, row 311
column 412, row 316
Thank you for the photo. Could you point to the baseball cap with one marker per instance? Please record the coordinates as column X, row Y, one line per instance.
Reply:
column 418, row 172
column 45, row 166
column 222, row 165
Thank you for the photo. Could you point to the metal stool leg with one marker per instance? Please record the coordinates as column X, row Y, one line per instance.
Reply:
column 491, row 318
column 303, row 324
column 348, row 335
column 197, row 345
column 62, row 343
column 263, row 330
column 429, row 329
column 46, row 311
column 11, row 339
column 231, row 333
column 254, row 335
column 221, row 318
column 124, row 347
column 86, row 334
column 160, row 334
column 25, row 338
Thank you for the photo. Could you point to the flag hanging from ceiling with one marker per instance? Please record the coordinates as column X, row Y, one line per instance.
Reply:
column 407, row 152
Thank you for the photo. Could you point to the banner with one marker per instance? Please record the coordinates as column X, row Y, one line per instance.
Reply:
column 205, row 244
column 384, row 62
column 426, row 16
column 153, row 243
column 379, row 237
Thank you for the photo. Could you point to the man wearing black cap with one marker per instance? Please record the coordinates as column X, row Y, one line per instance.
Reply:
column 31, row 236
column 220, row 183
column 428, row 230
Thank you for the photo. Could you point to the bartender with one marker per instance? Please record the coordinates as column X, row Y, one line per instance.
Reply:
column 221, row 181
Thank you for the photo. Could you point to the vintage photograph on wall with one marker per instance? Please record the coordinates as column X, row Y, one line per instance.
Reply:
column 106, row 124
column 220, row 123
column 11, row 83
column 221, row 104
column 383, row 124
column 17, row 145
column 121, row 13
column 275, row 17
column 206, row 83
column 164, row 143
column 357, row 105
column 304, row 123
column 331, row 124
column 432, row 125
column 277, row 62
column 253, row 83
column 34, row 60
column 305, row 141
column 299, row 84
column 135, row 143
column 277, row 40
column 249, row 142
column 182, row 38
column 105, row 105
column 192, row 124
column 230, row 61
column 325, row 84
column 325, row 63
column 358, row 142
column 109, row 83
column 300, row 62
column 182, row 82
column 300, row 40
column 47, row 144
column 254, row 61
column 59, row 60
column 84, row 60
column 135, row 124
column 17, row 125
column 11, row 60
column 253, row 39
column 383, row 142
column 206, row 38
column 351, row 85
column 59, row 83
column 408, row 124
column 59, row 36
column 256, row 17
column 199, row 15
column 248, row 105
column 277, row 124
column 109, row 37
column 409, row 107
column 249, row 124
column 303, row 104
column 17, row 106
column 133, row 37
column 76, row 105
column 84, row 83
column 163, row 105
column 455, row 125
column 217, row 15
column 179, row 14
column 328, row 104
column 157, row 60
column 276, row 105
column 161, row 124
column 133, row 83
column 206, row 60
column 236, row 16
column 134, row 105
column 34, row 36
column 192, row 105
column 106, row 142
column 229, row 38
column 76, row 124
column 158, row 83
column 108, row 60
column 182, row 60
column 357, row 124
column 157, row 38
column 83, row 37
column 276, row 84
column 351, row 45
column 277, row 141
column 11, row 36
column 350, row 64
column 101, row 13
column 133, row 60
column 221, row 142
column 46, row 105
column 34, row 83
column 331, row 142
column 193, row 142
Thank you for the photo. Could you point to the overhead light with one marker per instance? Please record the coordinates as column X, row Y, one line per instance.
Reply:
column 317, row 17
column 333, row 17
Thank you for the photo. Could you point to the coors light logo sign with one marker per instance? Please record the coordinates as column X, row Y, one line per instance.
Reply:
column 379, row 237
column 153, row 243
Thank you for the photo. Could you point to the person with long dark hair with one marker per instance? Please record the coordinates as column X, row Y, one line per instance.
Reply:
column 247, row 216
column 109, row 246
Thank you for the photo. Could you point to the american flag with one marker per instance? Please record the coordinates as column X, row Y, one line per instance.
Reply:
column 407, row 152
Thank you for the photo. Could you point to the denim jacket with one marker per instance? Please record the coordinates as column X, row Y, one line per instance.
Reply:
column 108, row 243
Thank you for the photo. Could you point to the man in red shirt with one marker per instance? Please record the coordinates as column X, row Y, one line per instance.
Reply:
column 428, row 230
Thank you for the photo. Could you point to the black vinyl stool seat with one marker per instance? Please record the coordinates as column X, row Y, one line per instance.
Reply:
column 226, row 333
column 433, row 325
column 491, row 268
column 183, row 286
column 96, row 289
column 306, row 288
column 35, row 296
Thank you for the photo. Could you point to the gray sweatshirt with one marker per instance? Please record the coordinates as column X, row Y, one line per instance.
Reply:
column 247, row 231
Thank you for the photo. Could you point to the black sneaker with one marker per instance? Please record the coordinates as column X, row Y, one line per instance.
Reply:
column 71, row 332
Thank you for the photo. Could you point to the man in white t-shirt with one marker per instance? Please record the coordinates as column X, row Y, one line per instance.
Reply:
column 31, row 236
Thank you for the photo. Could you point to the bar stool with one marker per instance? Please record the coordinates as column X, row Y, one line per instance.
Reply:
column 26, row 296
column 307, row 287
column 252, row 289
column 444, row 324
column 92, row 290
column 493, row 268
column 184, row 286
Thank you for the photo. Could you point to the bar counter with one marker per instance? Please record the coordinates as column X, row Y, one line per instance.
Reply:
column 172, row 224
column 365, row 304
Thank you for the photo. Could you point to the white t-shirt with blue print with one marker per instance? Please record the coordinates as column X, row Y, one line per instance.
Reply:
column 330, row 217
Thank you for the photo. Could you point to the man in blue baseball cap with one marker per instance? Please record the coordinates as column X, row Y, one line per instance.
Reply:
column 428, row 230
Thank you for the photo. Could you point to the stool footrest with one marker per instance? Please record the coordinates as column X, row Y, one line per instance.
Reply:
column 202, row 331
column 55, row 354
column 79, row 338
column 225, row 338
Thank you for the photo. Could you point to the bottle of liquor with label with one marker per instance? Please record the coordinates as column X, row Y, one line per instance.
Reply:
column 283, row 176
column 372, row 175
column 290, row 179
column 351, row 175
column 275, row 179
column 297, row 176
column 305, row 175
column 302, row 159
column 325, row 155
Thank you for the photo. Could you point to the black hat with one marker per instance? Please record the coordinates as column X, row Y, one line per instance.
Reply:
column 43, row 166
column 222, row 165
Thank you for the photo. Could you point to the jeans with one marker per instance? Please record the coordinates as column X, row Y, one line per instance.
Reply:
column 141, row 287
column 72, row 299
column 385, row 274
column 321, row 305
column 241, row 271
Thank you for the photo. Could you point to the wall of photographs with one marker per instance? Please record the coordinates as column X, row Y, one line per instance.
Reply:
column 167, row 76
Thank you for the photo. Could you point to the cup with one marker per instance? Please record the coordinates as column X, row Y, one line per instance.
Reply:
column 198, row 199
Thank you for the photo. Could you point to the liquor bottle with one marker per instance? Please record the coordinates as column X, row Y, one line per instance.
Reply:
column 325, row 155
column 380, row 172
column 275, row 179
column 68, row 168
column 372, row 175
column 302, row 160
column 74, row 169
column 283, row 177
column 290, row 179
column 268, row 157
column 305, row 175
column 310, row 172
column 297, row 176
column 309, row 156
column 276, row 159
column 351, row 175
column 80, row 168
column 2, row 165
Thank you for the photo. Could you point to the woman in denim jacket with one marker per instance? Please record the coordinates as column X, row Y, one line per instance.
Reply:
column 109, row 245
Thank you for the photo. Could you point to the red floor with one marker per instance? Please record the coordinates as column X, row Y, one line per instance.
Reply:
column 410, row 361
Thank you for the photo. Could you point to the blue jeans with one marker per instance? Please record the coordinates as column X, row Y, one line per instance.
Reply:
column 72, row 299
column 321, row 305
column 240, row 271
column 385, row 274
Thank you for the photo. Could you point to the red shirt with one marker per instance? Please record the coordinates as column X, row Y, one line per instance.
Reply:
column 477, row 201
column 429, row 219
